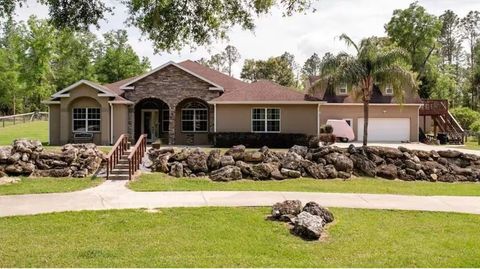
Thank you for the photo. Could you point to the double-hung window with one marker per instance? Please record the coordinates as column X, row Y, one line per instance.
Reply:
column 195, row 117
column 86, row 120
column 266, row 120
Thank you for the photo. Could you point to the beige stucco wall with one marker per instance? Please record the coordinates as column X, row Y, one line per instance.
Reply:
column 293, row 118
column 81, row 97
column 426, row 123
column 120, row 120
column 343, row 111
column 54, row 124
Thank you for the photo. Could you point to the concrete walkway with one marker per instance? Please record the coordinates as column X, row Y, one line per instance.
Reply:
column 114, row 195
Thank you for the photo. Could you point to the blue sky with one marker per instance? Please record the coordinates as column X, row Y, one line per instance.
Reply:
column 301, row 34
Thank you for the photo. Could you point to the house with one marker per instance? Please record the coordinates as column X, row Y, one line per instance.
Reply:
column 184, row 102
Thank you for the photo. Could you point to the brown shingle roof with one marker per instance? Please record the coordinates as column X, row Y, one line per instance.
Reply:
column 115, row 86
column 264, row 91
column 226, row 81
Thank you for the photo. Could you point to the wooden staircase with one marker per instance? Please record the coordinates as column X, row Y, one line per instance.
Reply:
column 437, row 109
column 123, row 161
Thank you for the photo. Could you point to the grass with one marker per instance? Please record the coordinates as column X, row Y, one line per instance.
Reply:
column 48, row 185
column 237, row 237
column 471, row 145
column 31, row 130
column 163, row 182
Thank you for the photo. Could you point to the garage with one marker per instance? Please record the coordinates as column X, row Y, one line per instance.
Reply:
column 385, row 129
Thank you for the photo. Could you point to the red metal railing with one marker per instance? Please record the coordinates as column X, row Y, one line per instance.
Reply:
column 116, row 153
column 135, row 157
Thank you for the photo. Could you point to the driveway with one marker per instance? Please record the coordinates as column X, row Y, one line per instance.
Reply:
column 114, row 195
column 417, row 146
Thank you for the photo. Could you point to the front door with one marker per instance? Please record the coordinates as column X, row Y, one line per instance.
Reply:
column 150, row 124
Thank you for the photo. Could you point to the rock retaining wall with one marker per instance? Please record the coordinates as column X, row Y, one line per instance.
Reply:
column 27, row 157
column 321, row 163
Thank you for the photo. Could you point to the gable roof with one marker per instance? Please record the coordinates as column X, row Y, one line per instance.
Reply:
column 264, row 91
column 104, row 90
column 215, row 85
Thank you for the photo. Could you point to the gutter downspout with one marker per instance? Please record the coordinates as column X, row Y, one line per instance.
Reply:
column 214, row 118
column 111, row 123
column 318, row 119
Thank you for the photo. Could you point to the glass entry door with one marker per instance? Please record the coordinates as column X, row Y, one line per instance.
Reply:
column 150, row 124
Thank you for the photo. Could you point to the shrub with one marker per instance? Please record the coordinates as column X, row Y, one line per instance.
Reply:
column 326, row 129
column 257, row 140
column 475, row 126
column 465, row 116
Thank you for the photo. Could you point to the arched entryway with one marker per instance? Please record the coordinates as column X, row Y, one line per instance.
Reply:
column 152, row 118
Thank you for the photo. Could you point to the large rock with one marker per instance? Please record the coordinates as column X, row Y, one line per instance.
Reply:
column 226, row 173
column 317, row 171
column 227, row 160
column 182, row 154
column 176, row 169
column 253, row 156
column 300, row 150
column 363, row 165
column 286, row 210
column 342, row 163
column 5, row 153
column 308, row 226
column 290, row 173
column 291, row 161
column 237, row 152
column 317, row 210
column 160, row 164
column 213, row 161
column 197, row 161
column 331, row 171
column 449, row 153
column 388, row 171
column 246, row 168
column 63, row 172
column 262, row 171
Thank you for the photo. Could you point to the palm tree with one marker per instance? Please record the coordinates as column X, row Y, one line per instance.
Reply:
column 374, row 63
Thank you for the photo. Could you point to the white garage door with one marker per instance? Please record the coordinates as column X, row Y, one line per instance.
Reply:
column 385, row 129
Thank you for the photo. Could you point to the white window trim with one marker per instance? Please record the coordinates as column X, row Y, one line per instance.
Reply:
column 343, row 86
column 266, row 120
column 165, row 120
column 388, row 87
column 194, row 120
column 86, row 120
column 351, row 121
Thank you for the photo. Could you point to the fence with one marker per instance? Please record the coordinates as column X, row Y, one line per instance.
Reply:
column 22, row 118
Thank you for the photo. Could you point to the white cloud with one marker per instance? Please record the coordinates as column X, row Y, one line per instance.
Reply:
column 301, row 34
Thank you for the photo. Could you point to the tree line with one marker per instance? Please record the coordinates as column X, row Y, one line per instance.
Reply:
column 37, row 59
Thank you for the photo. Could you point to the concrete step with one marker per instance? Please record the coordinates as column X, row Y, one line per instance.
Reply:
column 118, row 177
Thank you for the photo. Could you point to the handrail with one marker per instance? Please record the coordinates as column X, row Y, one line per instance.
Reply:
column 116, row 152
column 136, row 155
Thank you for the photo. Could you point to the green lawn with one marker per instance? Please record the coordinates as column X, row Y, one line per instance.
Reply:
column 48, row 185
column 32, row 130
column 471, row 145
column 163, row 182
column 237, row 237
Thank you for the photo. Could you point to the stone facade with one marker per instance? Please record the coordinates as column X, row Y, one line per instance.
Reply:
column 173, row 86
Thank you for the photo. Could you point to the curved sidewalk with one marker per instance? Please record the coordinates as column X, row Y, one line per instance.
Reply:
column 114, row 195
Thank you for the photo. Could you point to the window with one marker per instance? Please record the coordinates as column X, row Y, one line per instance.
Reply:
column 195, row 117
column 86, row 119
column 389, row 90
column 342, row 89
column 165, row 120
column 266, row 120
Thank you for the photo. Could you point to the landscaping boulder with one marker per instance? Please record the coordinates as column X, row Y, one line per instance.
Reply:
column 289, row 173
column 317, row 210
column 253, row 156
column 237, row 152
column 245, row 168
column 286, row 210
column 227, row 160
column 291, row 161
column 363, row 165
column 317, row 171
column 262, row 171
column 388, row 171
column 300, row 150
column 449, row 153
column 213, row 161
column 308, row 226
column 226, row 173
column 160, row 164
column 182, row 154
column 197, row 161
column 176, row 169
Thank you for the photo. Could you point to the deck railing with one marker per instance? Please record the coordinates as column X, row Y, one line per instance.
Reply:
column 116, row 153
column 434, row 107
column 136, row 155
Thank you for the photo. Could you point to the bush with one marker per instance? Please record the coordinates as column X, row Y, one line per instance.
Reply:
column 257, row 140
column 465, row 116
column 475, row 126
column 326, row 129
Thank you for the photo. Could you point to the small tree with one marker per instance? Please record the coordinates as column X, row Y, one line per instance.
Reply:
column 373, row 63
